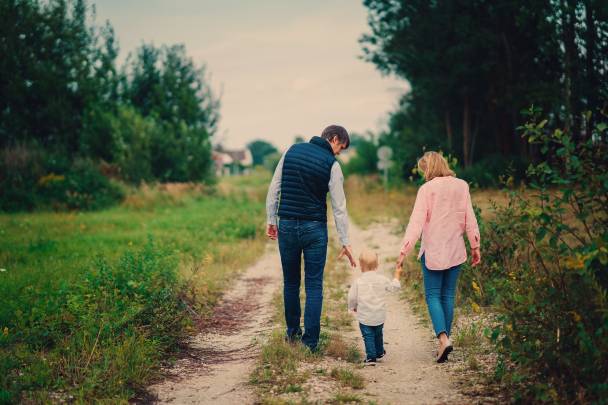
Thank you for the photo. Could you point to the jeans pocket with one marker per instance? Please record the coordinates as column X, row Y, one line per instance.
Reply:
column 287, row 226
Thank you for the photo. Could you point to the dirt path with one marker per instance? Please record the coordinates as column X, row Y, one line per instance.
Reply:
column 407, row 375
column 224, row 353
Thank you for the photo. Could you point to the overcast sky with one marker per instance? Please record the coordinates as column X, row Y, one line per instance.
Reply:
column 283, row 68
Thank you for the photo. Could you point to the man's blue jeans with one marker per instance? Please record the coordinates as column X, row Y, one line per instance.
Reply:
column 308, row 237
column 373, row 339
column 440, row 290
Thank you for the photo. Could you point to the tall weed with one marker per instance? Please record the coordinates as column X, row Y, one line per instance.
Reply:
column 546, row 255
column 100, row 337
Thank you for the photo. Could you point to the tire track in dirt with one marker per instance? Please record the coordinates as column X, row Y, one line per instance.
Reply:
column 222, row 355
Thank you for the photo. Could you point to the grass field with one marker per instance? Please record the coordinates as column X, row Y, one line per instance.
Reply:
column 80, row 290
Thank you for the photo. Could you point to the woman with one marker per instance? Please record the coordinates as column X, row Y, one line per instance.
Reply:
column 442, row 213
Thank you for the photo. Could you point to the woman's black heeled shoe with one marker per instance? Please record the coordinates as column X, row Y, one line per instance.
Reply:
column 443, row 356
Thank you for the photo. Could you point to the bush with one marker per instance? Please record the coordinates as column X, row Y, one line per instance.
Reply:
column 488, row 171
column 33, row 178
column 546, row 256
column 101, row 337
column 82, row 188
column 20, row 169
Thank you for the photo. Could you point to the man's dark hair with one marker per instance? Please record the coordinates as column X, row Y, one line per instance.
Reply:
column 332, row 131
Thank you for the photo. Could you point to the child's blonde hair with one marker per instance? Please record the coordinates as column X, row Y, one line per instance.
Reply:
column 368, row 260
column 433, row 164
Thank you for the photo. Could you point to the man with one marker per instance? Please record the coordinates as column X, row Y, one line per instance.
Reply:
column 304, row 175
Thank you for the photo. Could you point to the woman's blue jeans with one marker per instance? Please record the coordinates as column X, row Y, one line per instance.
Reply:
column 297, row 237
column 440, row 290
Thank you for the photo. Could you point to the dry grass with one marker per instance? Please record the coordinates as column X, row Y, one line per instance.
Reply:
column 151, row 196
column 368, row 202
column 348, row 377
column 340, row 350
column 209, row 277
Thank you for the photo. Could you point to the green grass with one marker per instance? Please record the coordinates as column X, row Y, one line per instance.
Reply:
column 277, row 370
column 348, row 377
column 90, row 302
column 346, row 398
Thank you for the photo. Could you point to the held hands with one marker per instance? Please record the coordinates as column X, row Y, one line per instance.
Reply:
column 347, row 251
column 271, row 231
column 400, row 260
column 398, row 272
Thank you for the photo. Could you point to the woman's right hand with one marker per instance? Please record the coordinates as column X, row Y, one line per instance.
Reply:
column 476, row 253
column 400, row 260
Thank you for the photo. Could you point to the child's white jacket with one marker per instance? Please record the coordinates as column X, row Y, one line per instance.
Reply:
column 367, row 296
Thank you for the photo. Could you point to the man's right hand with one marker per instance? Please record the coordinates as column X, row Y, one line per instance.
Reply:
column 346, row 251
column 271, row 231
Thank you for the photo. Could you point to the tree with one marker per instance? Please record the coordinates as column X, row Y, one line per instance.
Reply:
column 164, row 84
column 365, row 159
column 259, row 150
column 473, row 66
column 53, row 71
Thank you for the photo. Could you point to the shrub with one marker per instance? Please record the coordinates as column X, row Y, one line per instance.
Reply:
column 547, row 256
column 487, row 171
column 101, row 337
column 83, row 187
column 31, row 178
column 19, row 169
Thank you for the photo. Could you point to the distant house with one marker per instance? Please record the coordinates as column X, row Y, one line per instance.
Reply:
column 231, row 161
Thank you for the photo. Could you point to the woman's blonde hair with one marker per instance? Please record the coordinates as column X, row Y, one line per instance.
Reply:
column 368, row 260
column 433, row 164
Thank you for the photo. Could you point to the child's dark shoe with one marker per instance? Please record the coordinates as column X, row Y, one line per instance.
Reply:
column 382, row 355
column 369, row 362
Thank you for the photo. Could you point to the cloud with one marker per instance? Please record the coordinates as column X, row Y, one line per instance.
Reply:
column 284, row 69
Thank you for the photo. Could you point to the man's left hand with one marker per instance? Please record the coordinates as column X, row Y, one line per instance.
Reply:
column 346, row 251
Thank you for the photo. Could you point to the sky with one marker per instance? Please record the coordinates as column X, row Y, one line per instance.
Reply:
column 281, row 68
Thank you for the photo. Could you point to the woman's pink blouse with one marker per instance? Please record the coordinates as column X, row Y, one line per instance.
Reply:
column 443, row 212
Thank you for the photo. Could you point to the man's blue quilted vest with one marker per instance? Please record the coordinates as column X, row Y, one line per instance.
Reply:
column 305, row 180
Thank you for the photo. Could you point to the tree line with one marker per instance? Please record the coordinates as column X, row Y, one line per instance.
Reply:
column 67, row 110
column 474, row 66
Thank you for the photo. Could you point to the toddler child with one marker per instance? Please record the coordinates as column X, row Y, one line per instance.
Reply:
column 366, row 297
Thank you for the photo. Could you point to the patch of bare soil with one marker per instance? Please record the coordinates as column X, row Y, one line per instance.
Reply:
column 219, row 359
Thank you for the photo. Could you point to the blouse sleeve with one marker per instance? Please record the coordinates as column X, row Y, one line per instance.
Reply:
column 471, row 227
column 416, row 222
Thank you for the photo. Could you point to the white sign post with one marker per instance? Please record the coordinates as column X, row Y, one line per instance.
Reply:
column 384, row 162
